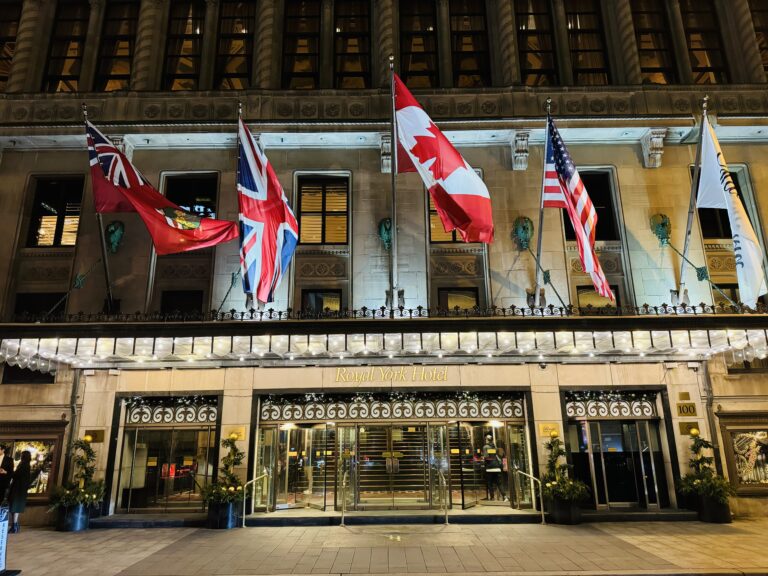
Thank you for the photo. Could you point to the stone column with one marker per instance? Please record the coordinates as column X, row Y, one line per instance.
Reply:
column 562, row 47
column 264, row 46
column 150, row 52
column 444, row 48
column 91, row 49
column 384, row 30
column 501, row 17
column 25, row 70
column 620, row 29
column 742, row 52
column 676, row 28
column 208, row 56
column 326, row 44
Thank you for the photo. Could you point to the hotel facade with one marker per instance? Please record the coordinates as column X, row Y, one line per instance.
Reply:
column 339, row 397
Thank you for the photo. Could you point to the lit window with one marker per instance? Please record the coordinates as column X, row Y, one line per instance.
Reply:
column 323, row 207
column 705, row 46
column 67, row 46
column 185, row 44
column 587, row 45
column 10, row 14
column 235, row 44
column 464, row 298
column 535, row 43
column 42, row 465
column 437, row 233
column 320, row 300
column 194, row 193
column 301, row 45
column 56, row 212
column 118, row 41
column 352, row 29
column 654, row 41
column 586, row 296
column 469, row 44
column 759, row 9
column 418, row 43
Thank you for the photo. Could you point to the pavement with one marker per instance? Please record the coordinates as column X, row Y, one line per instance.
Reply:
column 668, row 548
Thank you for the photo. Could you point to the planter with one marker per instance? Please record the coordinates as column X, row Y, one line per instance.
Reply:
column 713, row 511
column 223, row 516
column 564, row 511
column 72, row 518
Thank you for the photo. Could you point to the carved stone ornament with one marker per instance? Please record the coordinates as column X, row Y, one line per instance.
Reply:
column 386, row 153
column 653, row 147
column 520, row 153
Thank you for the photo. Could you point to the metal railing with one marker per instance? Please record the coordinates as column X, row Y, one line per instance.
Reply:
column 444, row 494
column 541, row 493
column 252, row 483
column 344, row 497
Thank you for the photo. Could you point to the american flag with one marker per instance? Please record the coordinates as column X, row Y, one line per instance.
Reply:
column 563, row 188
column 269, row 230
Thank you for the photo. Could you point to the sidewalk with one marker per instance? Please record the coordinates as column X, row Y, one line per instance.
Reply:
column 601, row 548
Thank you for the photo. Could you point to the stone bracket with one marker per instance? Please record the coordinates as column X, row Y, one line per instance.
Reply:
column 652, row 143
column 520, row 150
column 386, row 153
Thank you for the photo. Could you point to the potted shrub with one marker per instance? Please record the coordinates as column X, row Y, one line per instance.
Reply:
column 702, row 483
column 561, row 492
column 225, row 496
column 74, row 500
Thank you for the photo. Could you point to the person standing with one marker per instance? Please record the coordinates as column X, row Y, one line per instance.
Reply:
column 22, row 478
column 6, row 471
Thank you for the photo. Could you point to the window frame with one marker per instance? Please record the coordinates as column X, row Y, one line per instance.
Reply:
column 8, row 42
column 483, row 74
column 339, row 34
column 730, row 423
column 166, row 177
column 298, row 177
column 221, row 77
column 761, row 29
column 41, row 431
column 719, row 73
column 408, row 36
column 102, row 79
column 171, row 77
column 35, row 218
column 544, row 11
column 669, row 70
column 444, row 290
column 614, row 208
column 52, row 82
column 288, row 74
column 599, row 32
column 337, row 291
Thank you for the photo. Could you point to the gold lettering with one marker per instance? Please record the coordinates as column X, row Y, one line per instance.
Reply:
column 341, row 374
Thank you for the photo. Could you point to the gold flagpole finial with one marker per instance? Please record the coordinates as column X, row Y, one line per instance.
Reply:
column 705, row 103
column 391, row 61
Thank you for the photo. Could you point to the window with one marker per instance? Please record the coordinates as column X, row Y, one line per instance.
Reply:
column 43, row 452
column 323, row 210
column 745, row 444
column 759, row 9
column 301, row 48
column 535, row 43
column 194, row 193
column 320, row 300
column 469, row 44
column 586, row 295
column 654, row 45
column 38, row 304
column 585, row 38
column 461, row 298
column 714, row 222
column 418, row 43
column 599, row 188
column 702, row 36
column 437, row 233
column 183, row 301
column 19, row 375
column 118, row 42
column 185, row 43
column 235, row 45
column 352, row 44
column 10, row 14
column 56, row 212
column 67, row 46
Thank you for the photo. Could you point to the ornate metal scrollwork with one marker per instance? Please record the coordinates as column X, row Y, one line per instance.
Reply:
column 172, row 410
column 599, row 405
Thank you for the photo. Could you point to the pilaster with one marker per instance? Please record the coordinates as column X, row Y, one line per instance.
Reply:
column 622, row 48
column 264, row 46
column 208, row 56
column 562, row 47
column 91, row 48
column 25, row 70
column 445, row 64
column 502, row 21
column 149, row 57
column 384, row 30
column 676, row 28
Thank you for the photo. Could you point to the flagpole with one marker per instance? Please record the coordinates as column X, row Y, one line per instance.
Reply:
column 692, row 204
column 393, row 279
column 100, row 222
column 539, row 269
column 248, row 297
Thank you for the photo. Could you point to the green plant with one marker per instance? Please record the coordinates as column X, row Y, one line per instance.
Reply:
column 703, row 480
column 229, row 487
column 556, row 482
column 83, row 489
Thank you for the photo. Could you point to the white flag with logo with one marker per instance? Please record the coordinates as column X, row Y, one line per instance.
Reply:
column 716, row 190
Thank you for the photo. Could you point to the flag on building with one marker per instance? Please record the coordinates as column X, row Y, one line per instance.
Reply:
column 459, row 194
column 119, row 187
column 563, row 188
column 716, row 190
column 269, row 230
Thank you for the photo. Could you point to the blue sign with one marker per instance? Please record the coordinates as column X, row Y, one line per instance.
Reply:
column 4, row 514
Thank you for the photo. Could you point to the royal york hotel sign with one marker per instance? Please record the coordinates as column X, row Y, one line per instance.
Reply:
column 391, row 374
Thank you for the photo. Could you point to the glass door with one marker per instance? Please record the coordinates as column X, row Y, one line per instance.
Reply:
column 300, row 476
column 439, row 466
column 521, row 488
column 484, row 457
column 346, row 471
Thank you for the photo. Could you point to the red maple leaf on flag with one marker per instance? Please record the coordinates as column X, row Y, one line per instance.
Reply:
column 446, row 158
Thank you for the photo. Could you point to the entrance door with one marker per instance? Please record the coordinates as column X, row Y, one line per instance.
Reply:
column 303, row 453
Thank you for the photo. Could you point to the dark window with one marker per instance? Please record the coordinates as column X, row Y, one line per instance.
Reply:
column 731, row 290
column 714, row 221
column 301, row 45
column 38, row 304
column 535, row 42
column 586, row 41
column 118, row 42
column 194, row 193
column 469, row 44
column 10, row 14
column 185, row 44
column 56, row 212
column 418, row 43
column 759, row 9
column 18, row 375
column 352, row 43
column 67, row 46
column 323, row 210
column 235, row 44
column 705, row 46
column 654, row 41
column 598, row 185
column 586, row 295
column 183, row 301
column 321, row 300
column 462, row 298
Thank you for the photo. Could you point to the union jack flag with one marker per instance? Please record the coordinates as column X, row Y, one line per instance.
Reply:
column 269, row 230
column 109, row 165
column 563, row 188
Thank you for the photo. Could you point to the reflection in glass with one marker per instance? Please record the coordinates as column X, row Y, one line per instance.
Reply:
column 42, row 452
column 586, row 41
column 67, row 46
column 469, row 44
column 184, row 46
column 751, row 450
column 705, row 47
column 235, row 44
column 118, row 41
column 418, row 43
column 654, row 41
column 301, row 45
column 535, row 42
column 352, row 44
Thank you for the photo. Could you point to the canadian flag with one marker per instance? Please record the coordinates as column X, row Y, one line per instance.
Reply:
column 459, row 194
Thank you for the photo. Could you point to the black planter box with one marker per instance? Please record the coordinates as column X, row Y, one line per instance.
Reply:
column 223, row 516
column 564, row 511
column 715, row 512
column 72, row 518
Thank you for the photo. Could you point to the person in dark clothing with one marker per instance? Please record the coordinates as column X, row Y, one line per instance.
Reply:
column 6, row 471
column 22, row 478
